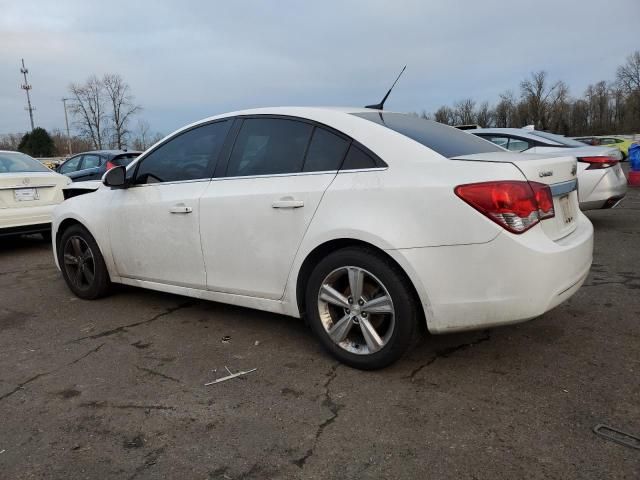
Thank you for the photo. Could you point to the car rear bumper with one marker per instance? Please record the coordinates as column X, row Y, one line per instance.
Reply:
column 612, row 186
column 510, row 279
column 25, row 217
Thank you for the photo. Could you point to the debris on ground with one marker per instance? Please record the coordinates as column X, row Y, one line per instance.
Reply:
column 230, row 376
column 617, row 436
column 226, row 339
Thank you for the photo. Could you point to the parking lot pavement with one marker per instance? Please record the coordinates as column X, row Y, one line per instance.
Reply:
column 115, row 388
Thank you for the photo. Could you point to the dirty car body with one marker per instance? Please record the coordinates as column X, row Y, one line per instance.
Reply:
column 365, row 222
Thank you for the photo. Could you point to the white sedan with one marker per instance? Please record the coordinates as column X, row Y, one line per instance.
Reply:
column 364, row 222
column 28, row 193
column 602, row 181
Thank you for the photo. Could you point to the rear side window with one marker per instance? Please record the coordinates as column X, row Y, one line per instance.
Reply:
column 447, row 141
column 357, row 159
column 90, row 161
column 123, row 160
column 326, row 151
column 189, row 156
column 269, row 146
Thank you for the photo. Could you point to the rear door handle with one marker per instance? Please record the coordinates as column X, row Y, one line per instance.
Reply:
column 287, row 202
column 181, row 208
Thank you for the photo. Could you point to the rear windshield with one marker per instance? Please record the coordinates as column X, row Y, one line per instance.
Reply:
column 447, row 141
column 567, row 142
column 16, row 162
column 124, row 160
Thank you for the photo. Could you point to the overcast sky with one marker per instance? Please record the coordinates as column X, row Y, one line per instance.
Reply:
column 187, row 60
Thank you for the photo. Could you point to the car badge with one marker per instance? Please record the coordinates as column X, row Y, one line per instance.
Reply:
column 574, row 169
column 545, row 173
column 26, row 181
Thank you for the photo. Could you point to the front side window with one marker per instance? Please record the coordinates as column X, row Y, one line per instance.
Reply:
column 269, row 146
column 90, row 161
column 498, row 140
column 517, row 145
column 71, row 165
column 188, row 156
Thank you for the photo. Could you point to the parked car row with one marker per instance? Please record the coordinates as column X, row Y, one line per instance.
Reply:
column 366, row 223
column 602, row 181
column 92, row 165
column 620, row 143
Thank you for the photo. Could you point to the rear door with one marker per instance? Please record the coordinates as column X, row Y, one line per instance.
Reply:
column 255, row 213
column 154, row 225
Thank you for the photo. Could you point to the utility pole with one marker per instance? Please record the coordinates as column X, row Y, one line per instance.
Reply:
column 66, row 120
column 26, row 87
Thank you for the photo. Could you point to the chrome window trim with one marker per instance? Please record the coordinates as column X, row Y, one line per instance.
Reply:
column 19, row 187
column 298, row 174
column 158, row 184
column 563, row 188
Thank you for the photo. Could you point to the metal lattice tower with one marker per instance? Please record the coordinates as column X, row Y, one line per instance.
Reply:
column 26, row 87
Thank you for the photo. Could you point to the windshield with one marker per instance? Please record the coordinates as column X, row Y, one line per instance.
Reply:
column 447, row 141
column 568, row 142
column 16, row 162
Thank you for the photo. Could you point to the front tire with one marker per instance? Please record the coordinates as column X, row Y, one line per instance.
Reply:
column 362, row 308
column 82, row 264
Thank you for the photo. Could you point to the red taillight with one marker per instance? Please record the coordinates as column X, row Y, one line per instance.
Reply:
column 599, row 162
column 543, row 196
column 110, row 165
column 515, row 205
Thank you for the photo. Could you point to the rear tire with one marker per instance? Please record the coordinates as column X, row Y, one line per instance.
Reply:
column 82, row 264
column 361, row 307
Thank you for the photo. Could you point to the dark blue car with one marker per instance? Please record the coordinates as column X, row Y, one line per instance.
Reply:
column 92, row 165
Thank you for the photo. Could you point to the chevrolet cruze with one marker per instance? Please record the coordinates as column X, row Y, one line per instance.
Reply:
column 366, row 223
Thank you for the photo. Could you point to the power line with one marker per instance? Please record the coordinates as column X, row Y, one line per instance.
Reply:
column 26, row 87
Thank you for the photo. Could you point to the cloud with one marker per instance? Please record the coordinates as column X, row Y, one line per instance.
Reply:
column 191, row 59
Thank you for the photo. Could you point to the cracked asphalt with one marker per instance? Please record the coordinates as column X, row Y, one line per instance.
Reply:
column 114, row 389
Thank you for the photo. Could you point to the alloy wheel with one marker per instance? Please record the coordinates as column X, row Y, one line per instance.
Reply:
column 356, row 310
column 79, row 263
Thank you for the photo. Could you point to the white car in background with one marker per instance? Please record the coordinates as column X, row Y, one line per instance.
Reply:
column 365, row 222
column 602, row 183
column 28, row 193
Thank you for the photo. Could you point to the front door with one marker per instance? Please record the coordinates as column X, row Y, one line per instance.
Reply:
column 154, row 224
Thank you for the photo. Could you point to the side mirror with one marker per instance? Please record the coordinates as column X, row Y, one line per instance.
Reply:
column 116, row 177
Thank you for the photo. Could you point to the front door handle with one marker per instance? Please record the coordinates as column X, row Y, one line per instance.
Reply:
column 180, row 208
column 287, row 202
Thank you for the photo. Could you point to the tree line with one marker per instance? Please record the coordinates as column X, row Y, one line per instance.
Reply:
column 103, row 110
column 605, row 108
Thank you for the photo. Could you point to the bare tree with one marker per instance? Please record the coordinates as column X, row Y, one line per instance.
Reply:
column 444, row 115
column 10, row 141
column 539, row 97
column 464, row 111
column 142, row 137
column 484, row 115
column 122, row 107
column 89, row 110
column 628, row 75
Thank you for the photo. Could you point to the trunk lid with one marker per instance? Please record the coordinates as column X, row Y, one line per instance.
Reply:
column 30, row 189
column 556, row 170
